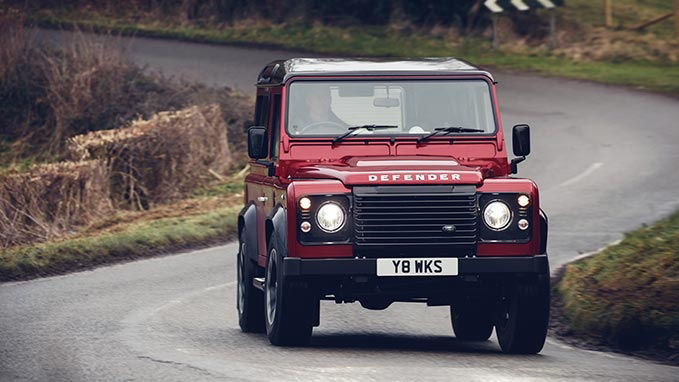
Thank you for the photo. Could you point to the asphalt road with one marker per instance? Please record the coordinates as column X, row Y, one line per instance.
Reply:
column 604, row 157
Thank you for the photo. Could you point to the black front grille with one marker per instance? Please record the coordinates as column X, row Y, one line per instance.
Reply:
column 410, row 220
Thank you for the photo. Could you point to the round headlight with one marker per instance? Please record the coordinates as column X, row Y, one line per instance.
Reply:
column 496, row 215
column 330, row 217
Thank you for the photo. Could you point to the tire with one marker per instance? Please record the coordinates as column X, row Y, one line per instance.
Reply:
column 522, row 317
column 472, row 321
column 288, row 309
column 249, row 300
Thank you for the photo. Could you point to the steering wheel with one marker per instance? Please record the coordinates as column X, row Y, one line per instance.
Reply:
column 333, row 125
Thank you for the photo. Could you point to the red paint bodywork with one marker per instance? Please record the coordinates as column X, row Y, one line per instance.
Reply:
column 314, row 166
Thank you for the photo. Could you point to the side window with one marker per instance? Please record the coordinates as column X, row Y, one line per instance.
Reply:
column 275, row 126
column 262, row 110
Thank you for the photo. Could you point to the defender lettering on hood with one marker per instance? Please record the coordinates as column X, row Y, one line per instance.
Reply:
column 413, row 177
column 390, row 170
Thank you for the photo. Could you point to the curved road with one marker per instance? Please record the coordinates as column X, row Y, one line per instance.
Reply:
column 604, row 157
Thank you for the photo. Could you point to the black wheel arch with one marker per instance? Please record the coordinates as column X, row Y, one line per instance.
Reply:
column 277, row 224
column 247, row 218
column 544, row 227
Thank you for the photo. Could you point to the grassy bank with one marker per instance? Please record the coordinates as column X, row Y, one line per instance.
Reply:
column 122, row 238
column 657, row 75
column 626, row 296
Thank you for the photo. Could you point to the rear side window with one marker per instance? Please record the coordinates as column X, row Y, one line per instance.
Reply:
column 262, row 110
column 275, row 126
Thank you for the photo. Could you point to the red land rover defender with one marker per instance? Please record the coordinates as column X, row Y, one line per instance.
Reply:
column 388, row 180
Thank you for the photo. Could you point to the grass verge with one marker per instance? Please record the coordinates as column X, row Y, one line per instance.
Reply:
column 135, row 241
column 382, row 41
column 209, row 217
column 625, row 297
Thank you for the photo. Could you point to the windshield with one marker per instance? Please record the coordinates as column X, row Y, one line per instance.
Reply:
column 330, row 108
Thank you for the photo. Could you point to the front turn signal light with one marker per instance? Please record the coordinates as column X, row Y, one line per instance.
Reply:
column 523, row 224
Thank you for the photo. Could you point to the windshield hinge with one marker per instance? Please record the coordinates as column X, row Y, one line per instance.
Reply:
column 286, row 144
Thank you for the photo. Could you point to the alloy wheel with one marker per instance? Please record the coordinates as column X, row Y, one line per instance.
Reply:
column 241, row 279
column 271, row 287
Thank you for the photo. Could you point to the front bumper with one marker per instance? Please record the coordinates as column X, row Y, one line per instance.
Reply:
column 295, row 266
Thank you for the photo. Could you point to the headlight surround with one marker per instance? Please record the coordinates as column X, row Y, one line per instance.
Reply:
column 497, row 215
column 331, row 217
column 318, row 233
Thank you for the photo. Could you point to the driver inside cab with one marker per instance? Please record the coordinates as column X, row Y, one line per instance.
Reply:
column 318, row 118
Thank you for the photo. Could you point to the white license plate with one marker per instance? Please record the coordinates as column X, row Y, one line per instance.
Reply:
column 417, row 267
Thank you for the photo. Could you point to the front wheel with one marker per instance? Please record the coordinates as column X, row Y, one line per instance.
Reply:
column 249, row 300
column 289, row 308
column 522, row 316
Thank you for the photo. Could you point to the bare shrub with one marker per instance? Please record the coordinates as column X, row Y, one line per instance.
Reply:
column 14, row 41
column 87, row 84
column 90, row 85
column 18, row 79
column 49, row 95
column 162, row 158
column 76, row 80
column 600, row 44
column 238, row 116
column 51, row 199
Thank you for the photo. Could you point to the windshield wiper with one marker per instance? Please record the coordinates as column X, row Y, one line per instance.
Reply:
column 352, row 129
column 447, row 130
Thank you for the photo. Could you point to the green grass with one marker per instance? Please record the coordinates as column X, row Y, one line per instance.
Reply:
column 628, row 294
column 136, row 240
column 224, row 188
column 626, row 14
column 382, row 41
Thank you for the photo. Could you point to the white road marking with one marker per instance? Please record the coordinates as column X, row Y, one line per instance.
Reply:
column 588, row 254
column 557, row 343
column 219, row 286
column 593, row 167
column 581, row 256
column 188, row 296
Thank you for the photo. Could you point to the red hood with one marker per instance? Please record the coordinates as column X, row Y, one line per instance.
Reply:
column 390, row 170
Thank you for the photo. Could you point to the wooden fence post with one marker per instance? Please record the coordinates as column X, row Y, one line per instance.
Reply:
column 496, row 43
column 552, row 30
column 608, row 13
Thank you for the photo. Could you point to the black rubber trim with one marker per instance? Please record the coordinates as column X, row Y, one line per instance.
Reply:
column 248, row 218
column 295, row 266
column 544, row 227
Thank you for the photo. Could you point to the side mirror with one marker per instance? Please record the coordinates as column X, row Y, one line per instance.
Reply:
column 257, row 142
column 521, row 140
column 520, row 144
